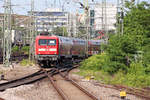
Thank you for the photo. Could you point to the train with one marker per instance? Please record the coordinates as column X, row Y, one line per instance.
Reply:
column 55, row 49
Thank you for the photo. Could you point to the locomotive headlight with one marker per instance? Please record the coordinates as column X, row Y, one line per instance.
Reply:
column 52, row 49
column 42, row 49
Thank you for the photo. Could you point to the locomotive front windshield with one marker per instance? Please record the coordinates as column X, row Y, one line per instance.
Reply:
column 51, row 42
column 47, row 42
column 42, row 42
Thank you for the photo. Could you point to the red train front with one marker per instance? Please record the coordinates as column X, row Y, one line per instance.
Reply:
column 46, row 48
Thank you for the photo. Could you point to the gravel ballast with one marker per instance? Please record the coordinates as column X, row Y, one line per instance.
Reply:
column 43, row 90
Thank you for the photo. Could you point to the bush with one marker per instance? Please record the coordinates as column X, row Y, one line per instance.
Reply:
column 94, row 62
column 113, row 67
column 26, row 62
column 25, row 49
column 15, row 49
column 102, row 62
column 135, row 77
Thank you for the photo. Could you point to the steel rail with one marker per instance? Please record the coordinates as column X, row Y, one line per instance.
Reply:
column 60, row 91
column 128, row 91
column 133, row 91
column 80, row 87
column 24, row 80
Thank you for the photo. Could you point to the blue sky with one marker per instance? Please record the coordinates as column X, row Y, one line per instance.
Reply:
column 22, row 6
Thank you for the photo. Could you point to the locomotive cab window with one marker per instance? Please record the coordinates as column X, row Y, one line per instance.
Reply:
column 51, row 42
column 42, row 42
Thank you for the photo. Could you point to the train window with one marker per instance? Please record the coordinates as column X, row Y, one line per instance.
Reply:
column 51, row 42
column 42, row 42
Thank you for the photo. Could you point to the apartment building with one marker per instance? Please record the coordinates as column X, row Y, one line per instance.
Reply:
column 105, row 16
column 51, row 18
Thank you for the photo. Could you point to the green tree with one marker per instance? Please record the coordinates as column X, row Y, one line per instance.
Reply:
column 124, row 49
column 137, row 24
column 137, row 20
column 60, row 31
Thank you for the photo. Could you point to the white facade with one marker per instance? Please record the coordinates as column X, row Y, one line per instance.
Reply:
column 51, row 18
column 105, row 17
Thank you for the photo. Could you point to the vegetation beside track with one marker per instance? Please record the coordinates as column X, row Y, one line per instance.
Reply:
column 27, row 62
column 135, row 75
column 126, row 58
column 25, row 49
column 20, row 50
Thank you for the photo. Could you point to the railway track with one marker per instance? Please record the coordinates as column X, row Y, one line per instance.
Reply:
column 77, row 89
column 63, row 73
column 143, row 93
column 24, row 80
column 28, row 79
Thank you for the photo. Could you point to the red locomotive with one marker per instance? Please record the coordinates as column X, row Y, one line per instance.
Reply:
column 50, row 49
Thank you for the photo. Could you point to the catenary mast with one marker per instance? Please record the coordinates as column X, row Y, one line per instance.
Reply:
column 32, row 31
column 7, row 33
